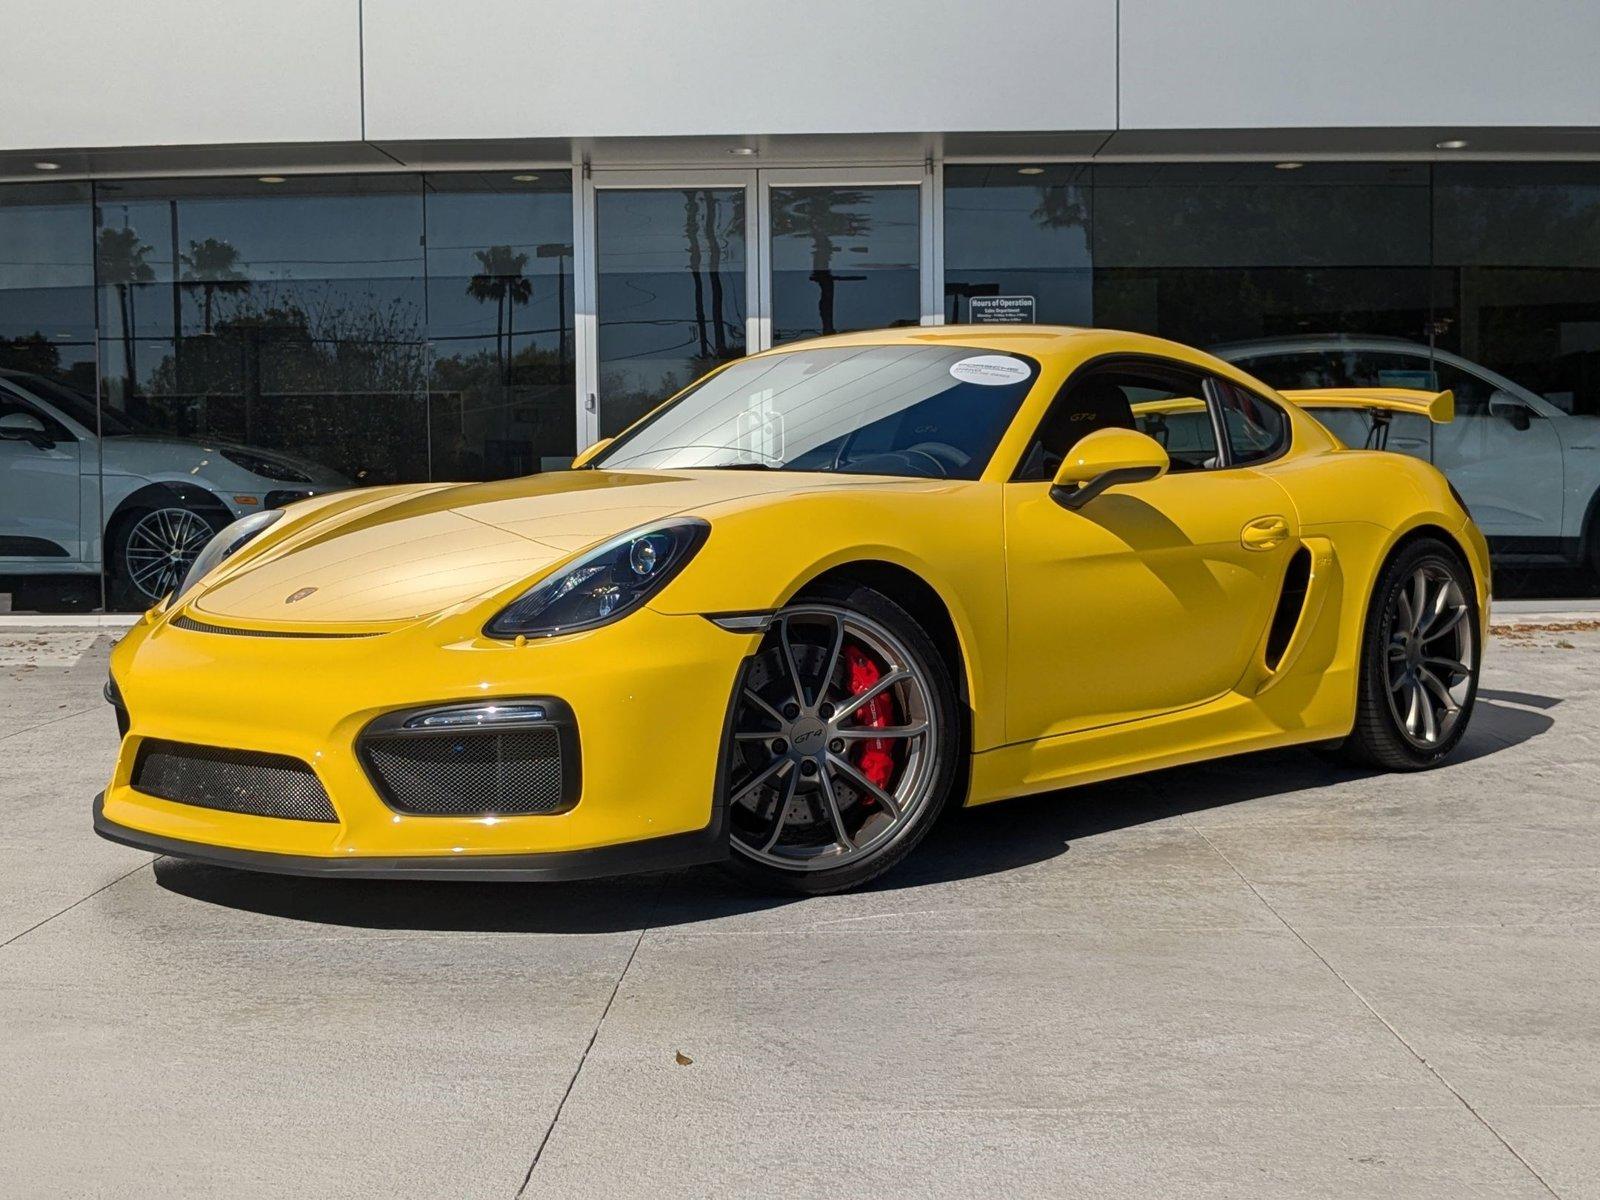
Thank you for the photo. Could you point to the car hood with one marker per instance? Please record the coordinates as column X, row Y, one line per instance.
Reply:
column 374, row 560
column 157, row 455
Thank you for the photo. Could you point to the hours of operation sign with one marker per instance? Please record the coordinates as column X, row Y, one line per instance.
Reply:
column 1000, row 310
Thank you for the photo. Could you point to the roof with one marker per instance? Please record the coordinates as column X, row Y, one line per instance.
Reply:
column 1033, row 340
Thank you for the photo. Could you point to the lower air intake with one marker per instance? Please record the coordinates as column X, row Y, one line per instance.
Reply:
column 239, row 781
column 477, row 773
column 509, row 756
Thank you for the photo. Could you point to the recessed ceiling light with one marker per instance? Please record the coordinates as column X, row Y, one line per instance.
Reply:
column 1452, row 144
column 1289, row 166
column 524, row 178
column 742, row 151
column 1030, row 170
column 271, row 178
column 46, row 166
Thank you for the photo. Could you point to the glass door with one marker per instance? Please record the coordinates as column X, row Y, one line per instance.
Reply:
column 844, row 251
column 688, row 269
column 674, row 285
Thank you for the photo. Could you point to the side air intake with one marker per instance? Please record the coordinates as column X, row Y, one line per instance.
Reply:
column 1291, row 603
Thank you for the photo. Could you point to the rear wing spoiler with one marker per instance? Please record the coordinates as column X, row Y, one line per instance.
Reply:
column 1438, row 407
column 1380, row 405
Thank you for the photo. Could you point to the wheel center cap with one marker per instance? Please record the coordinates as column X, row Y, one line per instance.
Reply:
column 807, row 735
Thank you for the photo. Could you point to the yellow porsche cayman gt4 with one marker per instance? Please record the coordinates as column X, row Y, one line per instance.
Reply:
column 797, row 612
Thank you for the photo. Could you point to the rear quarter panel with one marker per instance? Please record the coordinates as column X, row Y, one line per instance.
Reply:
column 1365, row 503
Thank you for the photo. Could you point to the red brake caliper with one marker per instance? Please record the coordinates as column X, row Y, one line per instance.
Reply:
column 873, row 756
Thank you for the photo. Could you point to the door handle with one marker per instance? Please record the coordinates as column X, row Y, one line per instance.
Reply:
column 1264, row 533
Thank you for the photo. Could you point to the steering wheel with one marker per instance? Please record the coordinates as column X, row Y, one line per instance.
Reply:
column 948, row 457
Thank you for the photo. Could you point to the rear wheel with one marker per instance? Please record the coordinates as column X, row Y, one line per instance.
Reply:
column 1420, row 660
column 844, row 744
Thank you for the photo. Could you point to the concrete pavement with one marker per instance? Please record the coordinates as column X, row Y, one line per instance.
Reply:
column 1265, row 977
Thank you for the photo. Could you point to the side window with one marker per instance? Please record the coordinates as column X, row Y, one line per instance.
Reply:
column 1168, row 403
column 1256, row 429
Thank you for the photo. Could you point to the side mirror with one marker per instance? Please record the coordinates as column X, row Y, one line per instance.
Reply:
column 584, row 459
column 1104, row 459
column 25, row 427
column 1508, row 407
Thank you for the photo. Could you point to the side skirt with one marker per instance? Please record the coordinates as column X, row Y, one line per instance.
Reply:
column 1231, row 724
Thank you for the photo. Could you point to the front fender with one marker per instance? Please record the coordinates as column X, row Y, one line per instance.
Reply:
column 760, row 556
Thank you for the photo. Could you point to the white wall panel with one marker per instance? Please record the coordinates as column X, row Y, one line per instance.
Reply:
column 1247, row 64
column 170, row 72
column 603, row 68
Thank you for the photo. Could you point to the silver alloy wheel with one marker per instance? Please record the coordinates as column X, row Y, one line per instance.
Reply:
column 160, row 547
column 1430, row 656
column 796, row 799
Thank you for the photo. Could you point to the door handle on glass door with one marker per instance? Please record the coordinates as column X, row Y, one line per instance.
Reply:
column 1265, row 533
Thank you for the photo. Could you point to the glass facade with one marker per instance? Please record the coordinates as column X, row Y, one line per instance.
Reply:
column 176, row 353
column 1498, row 263
column 1019, row 231
column 200, row 349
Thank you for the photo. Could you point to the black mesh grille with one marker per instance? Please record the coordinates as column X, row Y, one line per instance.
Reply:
column 241, row 781
column 516, row 771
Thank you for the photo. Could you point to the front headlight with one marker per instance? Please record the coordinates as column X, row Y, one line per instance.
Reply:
column 228, row 540
column 267, row 468
column 604, row 585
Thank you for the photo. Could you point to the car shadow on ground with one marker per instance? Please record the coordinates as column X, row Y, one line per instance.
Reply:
column 971, row 843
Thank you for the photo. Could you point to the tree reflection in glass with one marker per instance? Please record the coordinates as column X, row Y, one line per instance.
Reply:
column 122, row 261
column 671, row 270
column 501, row 280
column 843, row 259
column 212, row 265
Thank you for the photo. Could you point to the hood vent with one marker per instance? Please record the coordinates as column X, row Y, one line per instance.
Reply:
column 185, row 621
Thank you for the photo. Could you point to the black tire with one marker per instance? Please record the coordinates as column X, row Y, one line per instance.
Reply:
column 940, row 773
column 1380, row 737
column 131, row 589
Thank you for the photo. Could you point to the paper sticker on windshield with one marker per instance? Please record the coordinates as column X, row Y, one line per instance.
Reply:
column 991, row 370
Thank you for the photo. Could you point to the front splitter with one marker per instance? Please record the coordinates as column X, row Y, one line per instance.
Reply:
column 668, row 853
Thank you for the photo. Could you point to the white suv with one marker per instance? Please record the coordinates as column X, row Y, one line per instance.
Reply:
column 1529, row 471
column 151, row 499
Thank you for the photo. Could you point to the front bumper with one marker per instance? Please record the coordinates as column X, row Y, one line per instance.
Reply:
column 650, row 695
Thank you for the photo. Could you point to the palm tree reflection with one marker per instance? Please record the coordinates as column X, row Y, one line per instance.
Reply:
column 503, row 281
column 824, row 217
column 122, row 262
column 211, row 265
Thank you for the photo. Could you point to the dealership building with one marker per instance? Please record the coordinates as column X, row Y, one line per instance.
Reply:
column 383, row 241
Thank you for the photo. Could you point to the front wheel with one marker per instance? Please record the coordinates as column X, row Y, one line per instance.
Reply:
column 1420, row 660
column 844, row 744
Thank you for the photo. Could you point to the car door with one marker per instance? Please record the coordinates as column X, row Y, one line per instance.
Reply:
column 1504, row 456
column 40, row 493
column 1153, row 596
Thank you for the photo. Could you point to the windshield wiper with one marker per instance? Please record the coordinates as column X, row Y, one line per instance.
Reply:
column 740, row 466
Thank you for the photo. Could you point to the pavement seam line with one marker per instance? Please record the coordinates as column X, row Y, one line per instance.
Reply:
column 81, row 899
column 45, row 724
column 593, row 1037
column 1379, row 1017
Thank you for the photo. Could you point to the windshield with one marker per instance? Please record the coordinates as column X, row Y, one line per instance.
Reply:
column 932, row 412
